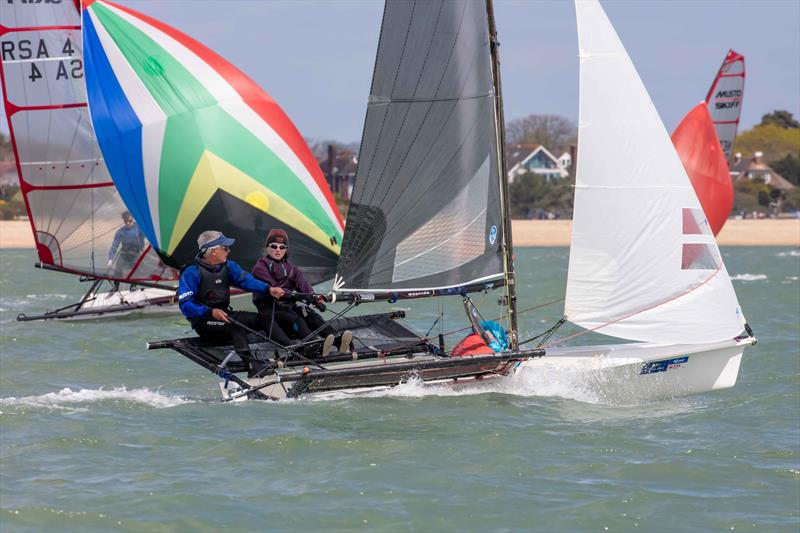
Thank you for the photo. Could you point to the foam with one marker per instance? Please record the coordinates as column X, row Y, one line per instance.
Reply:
column 68, row 399
column 749, row 277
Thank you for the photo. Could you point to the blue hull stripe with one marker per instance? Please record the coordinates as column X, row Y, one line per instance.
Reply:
column 118, row 129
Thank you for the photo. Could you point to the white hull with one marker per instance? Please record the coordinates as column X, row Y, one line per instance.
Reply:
column 123, row 303
column 612, row 374
column 634, row 373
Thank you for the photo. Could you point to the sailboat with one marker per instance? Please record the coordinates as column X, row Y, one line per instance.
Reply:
column 703, row 150
column 193, row 144
column 73, row 207
column 429, row 218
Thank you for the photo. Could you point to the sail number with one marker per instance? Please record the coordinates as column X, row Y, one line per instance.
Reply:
column 30, row 50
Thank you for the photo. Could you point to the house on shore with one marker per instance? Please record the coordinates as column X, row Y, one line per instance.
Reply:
column 524, row 158
column 755, row 168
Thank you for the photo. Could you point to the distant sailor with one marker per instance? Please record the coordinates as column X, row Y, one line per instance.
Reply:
column 276, row 270
column 204, row 295
column 126, row 248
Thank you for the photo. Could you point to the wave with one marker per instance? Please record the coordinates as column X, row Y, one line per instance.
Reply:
column 790, row 253
column 67, row 398
column 749, row 277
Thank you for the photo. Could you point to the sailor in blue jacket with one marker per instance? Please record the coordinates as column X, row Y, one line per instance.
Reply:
column 128, row 245
column 204, row 295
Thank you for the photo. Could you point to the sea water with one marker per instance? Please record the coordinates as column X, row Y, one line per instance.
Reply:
column 99, row 434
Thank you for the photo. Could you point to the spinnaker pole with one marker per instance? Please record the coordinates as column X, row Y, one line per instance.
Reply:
column 508, row 249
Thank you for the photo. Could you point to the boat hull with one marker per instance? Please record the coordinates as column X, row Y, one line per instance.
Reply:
column 114, row 304
column 633, row 373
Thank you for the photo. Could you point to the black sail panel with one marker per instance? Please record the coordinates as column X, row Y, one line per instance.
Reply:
column 425, row 211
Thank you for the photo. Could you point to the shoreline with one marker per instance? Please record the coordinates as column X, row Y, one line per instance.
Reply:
column 16, row 234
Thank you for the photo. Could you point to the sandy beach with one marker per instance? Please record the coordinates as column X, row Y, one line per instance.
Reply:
column 767, row 232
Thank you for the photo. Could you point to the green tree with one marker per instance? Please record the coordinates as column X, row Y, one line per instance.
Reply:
column 530, row 192
column 788, row 167
column 774, row 141
column 781, row 118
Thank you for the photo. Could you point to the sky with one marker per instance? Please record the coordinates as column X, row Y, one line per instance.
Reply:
column 315, row 57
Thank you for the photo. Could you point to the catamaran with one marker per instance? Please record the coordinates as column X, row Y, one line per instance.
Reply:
column 73, row 206
column 429, row 218
column 704, row 139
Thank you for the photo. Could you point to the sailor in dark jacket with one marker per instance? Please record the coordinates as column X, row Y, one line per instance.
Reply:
column 277, row 271
column 204, row 295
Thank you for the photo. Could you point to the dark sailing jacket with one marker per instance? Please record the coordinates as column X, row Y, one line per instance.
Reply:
column 204, row 287
column 283, row 274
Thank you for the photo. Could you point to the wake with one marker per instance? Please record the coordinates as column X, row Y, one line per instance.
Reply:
column 77, row 400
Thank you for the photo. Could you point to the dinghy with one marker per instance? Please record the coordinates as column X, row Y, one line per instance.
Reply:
column 429, row 218
column 73, row 207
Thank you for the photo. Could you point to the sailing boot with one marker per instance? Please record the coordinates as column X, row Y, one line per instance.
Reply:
column 327, row 345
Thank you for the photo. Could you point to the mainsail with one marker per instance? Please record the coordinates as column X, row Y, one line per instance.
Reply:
column 643, row 263
column 73, row 206
column 699, row 148
column 724, row 100
column 193, row 144
column 426, row 209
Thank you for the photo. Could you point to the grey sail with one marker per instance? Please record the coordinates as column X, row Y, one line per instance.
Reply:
column 425, row 211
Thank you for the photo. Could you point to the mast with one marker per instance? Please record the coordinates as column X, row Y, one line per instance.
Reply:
column 508, row 249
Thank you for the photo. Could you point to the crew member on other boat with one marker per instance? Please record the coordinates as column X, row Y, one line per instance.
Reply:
column 204, row 296
column 299, row 321
column 126, row 248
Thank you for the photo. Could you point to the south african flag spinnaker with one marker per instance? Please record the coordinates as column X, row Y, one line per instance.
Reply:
column 193, row 144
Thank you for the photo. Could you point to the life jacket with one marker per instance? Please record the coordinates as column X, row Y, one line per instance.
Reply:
column 214, row 290
column 281, row 271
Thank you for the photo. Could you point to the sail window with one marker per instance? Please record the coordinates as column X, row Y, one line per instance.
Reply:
column 695, row 222
column 699, row 256
column 455, row 236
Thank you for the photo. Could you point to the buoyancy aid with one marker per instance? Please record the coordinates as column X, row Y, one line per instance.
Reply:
column 214, row 290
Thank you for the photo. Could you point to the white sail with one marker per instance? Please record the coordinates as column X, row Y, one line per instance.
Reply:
column 643, row 263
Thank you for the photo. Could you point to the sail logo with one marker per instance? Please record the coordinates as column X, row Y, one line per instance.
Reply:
column 493, row 235
column 663, row 366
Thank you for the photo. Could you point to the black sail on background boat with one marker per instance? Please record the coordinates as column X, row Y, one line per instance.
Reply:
column 427, row 215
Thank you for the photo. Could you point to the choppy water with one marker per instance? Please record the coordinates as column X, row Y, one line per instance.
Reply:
column 98, row 434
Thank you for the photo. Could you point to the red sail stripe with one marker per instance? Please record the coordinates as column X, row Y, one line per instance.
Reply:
column 254, row 96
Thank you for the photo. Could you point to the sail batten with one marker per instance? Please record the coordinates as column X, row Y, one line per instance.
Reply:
column 425, row 211
column 643, row 265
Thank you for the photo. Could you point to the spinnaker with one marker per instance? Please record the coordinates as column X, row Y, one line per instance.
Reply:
column 193, row 144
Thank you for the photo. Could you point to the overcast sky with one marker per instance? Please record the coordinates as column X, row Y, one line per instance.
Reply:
column 315, row 58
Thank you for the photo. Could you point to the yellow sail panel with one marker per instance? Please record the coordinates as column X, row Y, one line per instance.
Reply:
column 214, row 173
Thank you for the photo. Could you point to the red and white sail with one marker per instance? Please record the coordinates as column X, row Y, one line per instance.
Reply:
column 724, row 100
column 73, row 206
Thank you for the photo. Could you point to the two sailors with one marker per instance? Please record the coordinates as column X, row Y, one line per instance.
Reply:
column 204, row 297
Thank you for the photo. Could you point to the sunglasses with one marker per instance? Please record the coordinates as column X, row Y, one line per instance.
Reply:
column 128, row 221
column 277, row 246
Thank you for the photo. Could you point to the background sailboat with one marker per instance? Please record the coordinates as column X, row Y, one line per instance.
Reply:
column 705, row 136
column 193, row 144
column 72, row 204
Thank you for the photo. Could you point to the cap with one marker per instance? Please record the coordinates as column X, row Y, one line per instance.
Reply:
column 210, row 239
column 277, row 235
